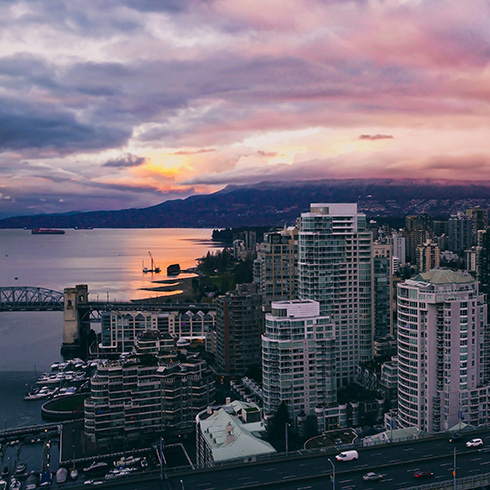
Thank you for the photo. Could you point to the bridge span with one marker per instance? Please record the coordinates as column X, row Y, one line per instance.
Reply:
column 28, row 298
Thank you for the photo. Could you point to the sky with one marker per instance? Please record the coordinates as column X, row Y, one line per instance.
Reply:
column 111, row 104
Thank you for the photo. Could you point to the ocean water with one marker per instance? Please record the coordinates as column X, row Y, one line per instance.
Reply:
column 110, row 262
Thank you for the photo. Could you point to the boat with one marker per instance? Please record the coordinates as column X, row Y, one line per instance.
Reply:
column 5, row 471
column 126, row 461
column 173, row 270
column 20, row 469
column 47, row 231
column 46, row 479
column 153, row 267
column 96, row 466
column 15, row 484
column 31, row 482
column 61, row 475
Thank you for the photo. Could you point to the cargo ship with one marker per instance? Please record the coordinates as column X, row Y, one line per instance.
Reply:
column 47, row 231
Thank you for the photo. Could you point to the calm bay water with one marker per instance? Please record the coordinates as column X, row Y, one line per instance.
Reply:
column 109, row 261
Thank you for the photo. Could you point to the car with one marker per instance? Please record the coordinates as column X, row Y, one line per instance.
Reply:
column 371, row 476
column 423, row 474
column 347, row 456
column 474, row 443
column 456, row 437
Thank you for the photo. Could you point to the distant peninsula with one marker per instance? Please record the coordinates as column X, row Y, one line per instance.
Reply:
column 277, row 204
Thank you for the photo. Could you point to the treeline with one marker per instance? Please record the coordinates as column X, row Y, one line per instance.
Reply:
column 220, row 272
column 228, row 235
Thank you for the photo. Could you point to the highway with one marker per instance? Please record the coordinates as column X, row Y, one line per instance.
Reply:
column 396, row 462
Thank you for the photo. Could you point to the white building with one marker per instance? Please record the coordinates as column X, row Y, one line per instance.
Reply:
column 233, row 432
column 443, row 351
column 399, row 249
column 298, row 358
column 335, row 268
column 121, row 328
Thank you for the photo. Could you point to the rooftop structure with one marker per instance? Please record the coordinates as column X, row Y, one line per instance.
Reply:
column 230, row 433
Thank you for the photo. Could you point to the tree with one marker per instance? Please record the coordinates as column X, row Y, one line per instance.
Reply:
column 311, row 427
column 277, row 423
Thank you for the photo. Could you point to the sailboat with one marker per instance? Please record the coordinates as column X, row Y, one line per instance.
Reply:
column 74, row 471
column 154, row 268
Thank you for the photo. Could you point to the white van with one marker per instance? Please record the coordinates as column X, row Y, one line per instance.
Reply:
column 347, row 456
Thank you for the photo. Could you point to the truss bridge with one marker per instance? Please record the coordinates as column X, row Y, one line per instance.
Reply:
column 28, row 298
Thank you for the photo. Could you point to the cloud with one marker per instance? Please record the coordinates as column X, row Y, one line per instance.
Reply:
column 194, row 152
column 374, row 137
column 227, row 92
column 26, row 126
column 127, row 160
column 267, row 153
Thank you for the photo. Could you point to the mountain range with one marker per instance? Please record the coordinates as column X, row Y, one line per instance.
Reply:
column 276, row 204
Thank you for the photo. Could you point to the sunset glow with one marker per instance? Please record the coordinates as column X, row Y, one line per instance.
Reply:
column 117, row 104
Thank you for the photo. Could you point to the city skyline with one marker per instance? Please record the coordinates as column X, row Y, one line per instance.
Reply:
column 110, row 105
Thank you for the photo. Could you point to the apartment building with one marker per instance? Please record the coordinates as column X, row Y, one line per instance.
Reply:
column 239, row 325
column 121, row 328
column 130, row 397
column 275, row 268
column 443, row 351
column 335, row 268
column 298, row 360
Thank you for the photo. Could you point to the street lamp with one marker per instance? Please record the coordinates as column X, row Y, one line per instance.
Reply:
column 182, row 485
column 286, row 434
column 333, row 476
column 454, row 469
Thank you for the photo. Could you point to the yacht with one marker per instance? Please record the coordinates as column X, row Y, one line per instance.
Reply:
column 61, row 475
column 14, row 484
column 96, row 466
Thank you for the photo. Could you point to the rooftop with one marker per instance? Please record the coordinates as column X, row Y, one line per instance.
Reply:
column 444, row 276
column 229, row 437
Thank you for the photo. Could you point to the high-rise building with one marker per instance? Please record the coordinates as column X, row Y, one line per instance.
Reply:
column 398, row 242
column 383, row 290
column 459, row 232
column 427, row 256
column 418, row 229
column 443, row 351
column 479, row 221
column 483, row 263
column 335, row 269
column 239, row 325
column 275, row 268
column 298, row 360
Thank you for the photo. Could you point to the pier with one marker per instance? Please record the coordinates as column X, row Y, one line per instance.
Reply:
column 33, row 431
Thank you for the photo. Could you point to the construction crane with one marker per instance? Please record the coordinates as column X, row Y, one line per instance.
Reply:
column 154, row 267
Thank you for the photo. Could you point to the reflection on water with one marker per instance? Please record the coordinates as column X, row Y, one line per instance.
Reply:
column 109, row 261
